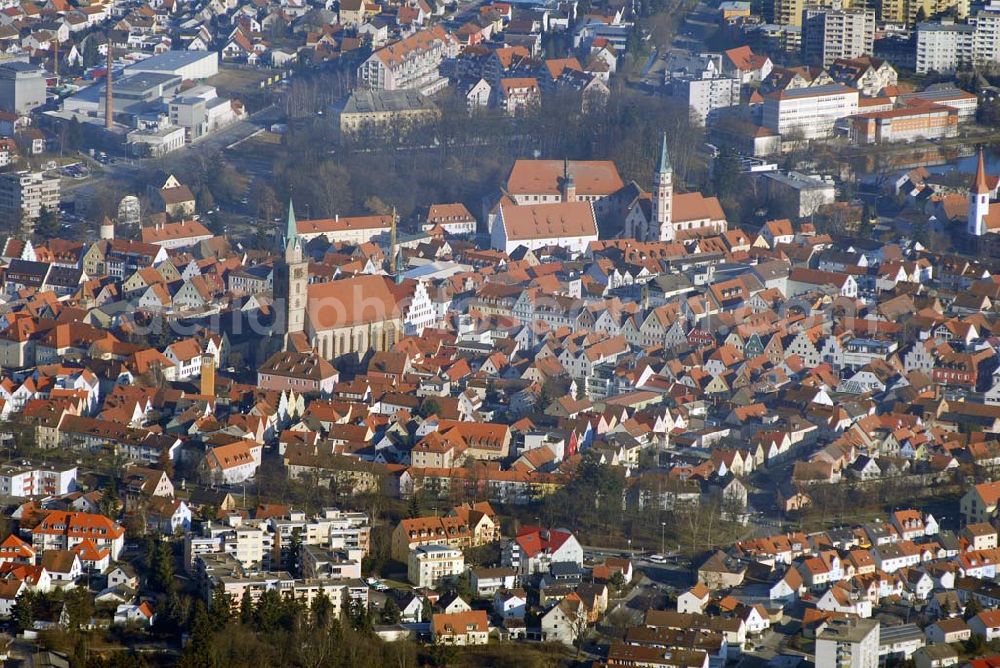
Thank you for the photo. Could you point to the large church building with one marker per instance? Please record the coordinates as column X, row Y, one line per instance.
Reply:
column 342, row 317
column 573, row 203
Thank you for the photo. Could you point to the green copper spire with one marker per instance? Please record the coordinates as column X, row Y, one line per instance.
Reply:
column 400, row 267
column 664, row 164
column 291, row 231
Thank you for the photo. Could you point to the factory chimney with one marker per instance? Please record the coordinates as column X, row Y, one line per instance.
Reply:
column 109, row 119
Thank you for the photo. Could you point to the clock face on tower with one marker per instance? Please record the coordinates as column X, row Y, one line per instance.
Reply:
column 300, row 273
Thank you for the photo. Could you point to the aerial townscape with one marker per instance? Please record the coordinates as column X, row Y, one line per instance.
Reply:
column 500, row 333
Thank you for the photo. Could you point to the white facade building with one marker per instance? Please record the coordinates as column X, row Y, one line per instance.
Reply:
column 829, row 34
column 706, row 95
column 429, row 565
column 699, row 80
column 808, row 113
column 420, row 312
column 411, row 62
column 23, row 195
column 250, row 544
column 570, row 224
column 191, row 65
column 344, row 229
column 944, row 46
column 986, row 41
column 31, row 481
column 200, row 111
column 849, row 643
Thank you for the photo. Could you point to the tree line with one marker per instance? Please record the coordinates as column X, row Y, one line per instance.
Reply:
column 460, row 155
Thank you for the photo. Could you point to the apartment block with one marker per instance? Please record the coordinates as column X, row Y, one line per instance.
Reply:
column 849, row 643
column 64, row 530
column 701, row 81
column 27, row 480
column 707, row 95
column 412, row 62
column 23, row 195
column 906, row 11
column 429, row 565
column 829, row 34
column 986, row 40
column 789, row 12
column 248, row 542
column 211, row 570
column 331, row 529
column 944, row 46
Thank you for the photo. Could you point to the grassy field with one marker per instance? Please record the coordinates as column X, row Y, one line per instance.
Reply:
column 262, row 146
column 521, row 655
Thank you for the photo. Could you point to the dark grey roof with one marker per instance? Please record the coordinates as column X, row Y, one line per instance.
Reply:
column 565, row 568
column 64, row 276
column 28, row 267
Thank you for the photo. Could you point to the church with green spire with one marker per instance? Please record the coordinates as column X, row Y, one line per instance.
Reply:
column 345, row 319
column 663, row 215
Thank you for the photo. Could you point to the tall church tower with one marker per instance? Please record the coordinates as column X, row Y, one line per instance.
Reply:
column 291, row 282
column 979, row 201
column 663, row 195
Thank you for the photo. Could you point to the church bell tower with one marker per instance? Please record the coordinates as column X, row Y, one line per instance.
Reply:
column 663, row 195
column 291, row 282
column 979, row 201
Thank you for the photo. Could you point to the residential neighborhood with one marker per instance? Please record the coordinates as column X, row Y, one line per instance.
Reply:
column 530, row 333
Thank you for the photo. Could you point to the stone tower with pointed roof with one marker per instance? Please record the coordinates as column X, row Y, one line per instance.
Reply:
column 663, row 195
column 979, row 201
column 291, row 283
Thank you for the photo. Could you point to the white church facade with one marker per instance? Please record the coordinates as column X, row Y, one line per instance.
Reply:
column 665, row 216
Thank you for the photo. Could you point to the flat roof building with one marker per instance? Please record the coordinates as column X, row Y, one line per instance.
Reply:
column 801, row 194
column 848, row 643
column 133, row 94
column 964, row 102
column 22, row 87
column 23, row 195
column 378, row 111
column 192, row 65
column 931, row 121
column 808, row 113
